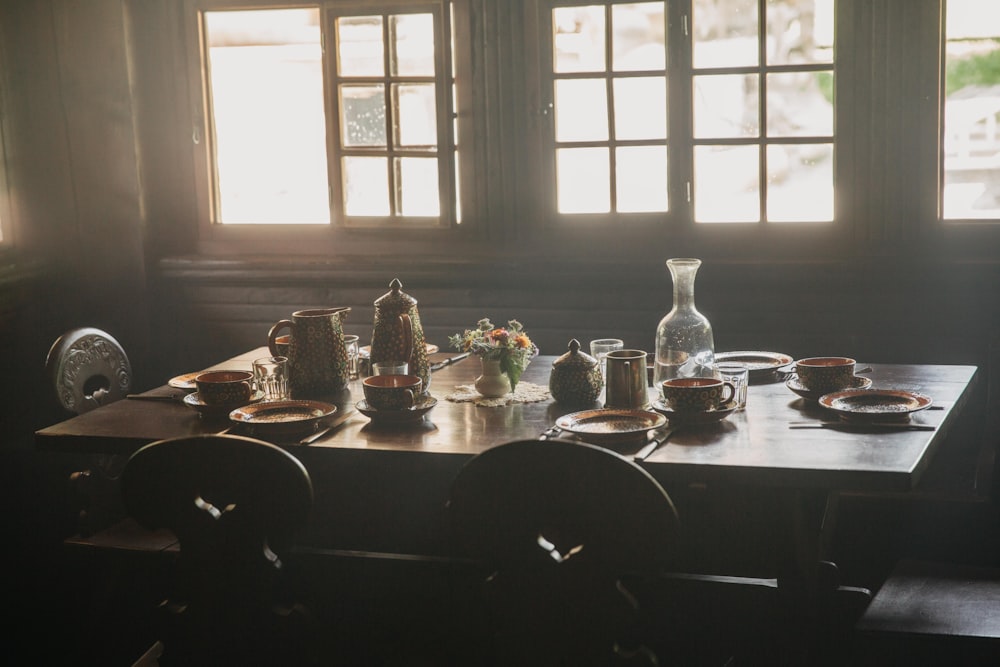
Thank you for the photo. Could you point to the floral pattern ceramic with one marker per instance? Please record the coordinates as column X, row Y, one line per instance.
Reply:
column 317, row 355
column 576, row 377
column 398, row 334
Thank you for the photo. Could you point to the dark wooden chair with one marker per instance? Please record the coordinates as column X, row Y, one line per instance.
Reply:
column 561, row 523
column 234, row 504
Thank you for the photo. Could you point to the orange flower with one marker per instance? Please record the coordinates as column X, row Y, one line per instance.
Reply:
column 500, row 336
column 522, row 341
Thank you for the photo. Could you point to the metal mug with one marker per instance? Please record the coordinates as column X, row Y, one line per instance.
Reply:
column 626, row 382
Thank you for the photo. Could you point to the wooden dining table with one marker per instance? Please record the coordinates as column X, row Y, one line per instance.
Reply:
column 384, row 486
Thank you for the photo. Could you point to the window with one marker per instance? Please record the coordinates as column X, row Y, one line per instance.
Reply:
column 357, row 133
column 972, row 110
column 751, row 109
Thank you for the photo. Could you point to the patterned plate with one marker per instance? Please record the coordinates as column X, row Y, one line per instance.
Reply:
column 611, row 425
column 185, row 381
column 875, row 404
column 282, row 417
column 762, row 366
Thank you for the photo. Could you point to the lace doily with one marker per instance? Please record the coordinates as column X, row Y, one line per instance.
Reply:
column 525, row 392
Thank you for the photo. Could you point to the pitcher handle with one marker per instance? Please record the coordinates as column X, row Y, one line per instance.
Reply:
column 407, row 328
column 272, row 335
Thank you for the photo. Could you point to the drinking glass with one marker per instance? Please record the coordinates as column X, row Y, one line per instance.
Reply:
column 599, row 350
column 271, row 376
column 391, row 368
column 353, row 352
column 739, row 376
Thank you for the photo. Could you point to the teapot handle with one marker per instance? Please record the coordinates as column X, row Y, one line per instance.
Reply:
column 272, row 335
column 407, row 328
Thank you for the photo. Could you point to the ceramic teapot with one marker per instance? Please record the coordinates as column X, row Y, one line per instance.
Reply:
column 576, row 377
column 397, row 333
column 317, row 355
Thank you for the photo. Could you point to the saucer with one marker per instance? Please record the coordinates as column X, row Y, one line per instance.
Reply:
column 414, row 414
column 793, row 383
column 185, row 382
column 694, row 418
column 192, row 400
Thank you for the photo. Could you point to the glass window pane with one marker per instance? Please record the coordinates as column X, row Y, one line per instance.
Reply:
column 268, row 116
column 414, row 52
column 366, row 186
column 800, row 183
column 724, row 33
column 362, row 113
column 416, row 114
column 579, row 39
column 638, row 37
column 726, row 106
column 359, row 43
column 726, row 184
column 972, row 110
column 419, row 185
column 800, row 104
column 583, row 179
column 640, row 108
column 799, row 31
column 581, row 108
column 641, row 174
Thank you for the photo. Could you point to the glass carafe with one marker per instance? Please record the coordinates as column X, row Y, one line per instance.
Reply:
column 684, row 343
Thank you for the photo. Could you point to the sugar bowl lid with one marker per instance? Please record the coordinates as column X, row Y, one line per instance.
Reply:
column 574, row 359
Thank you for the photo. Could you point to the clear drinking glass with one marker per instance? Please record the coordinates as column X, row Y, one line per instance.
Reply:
column 739, row 376
column 599, row 350
column 353, row 352
column 391, row 368
column 271, row 376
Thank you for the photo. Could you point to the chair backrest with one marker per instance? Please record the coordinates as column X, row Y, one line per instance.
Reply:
column 88, row 368
column 234, row 504
column 560, row 522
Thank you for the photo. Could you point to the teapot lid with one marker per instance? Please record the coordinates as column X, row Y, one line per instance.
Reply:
column 574, row 358
column 395, row 298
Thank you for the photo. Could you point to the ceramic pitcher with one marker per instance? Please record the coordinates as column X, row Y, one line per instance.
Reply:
column 397, row 333
column 317, row 355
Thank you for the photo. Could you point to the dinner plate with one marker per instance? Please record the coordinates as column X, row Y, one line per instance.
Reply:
column 282, row 417
column 694, row 418
column 194, row 401
column 422, row 406
column 185, row 381
column 875, row 404
column 858, row 383
column 611, row 425
column 762, row 366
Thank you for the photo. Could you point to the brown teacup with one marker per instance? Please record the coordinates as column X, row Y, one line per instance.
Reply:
column 825, row 374
column 696, row 394
column 282, row 344
column 224, row 387
column 391, row 392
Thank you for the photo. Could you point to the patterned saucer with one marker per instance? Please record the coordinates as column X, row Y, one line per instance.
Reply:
column 793, row 383
column 423, row 405
column 694, row 418
column 192, row 400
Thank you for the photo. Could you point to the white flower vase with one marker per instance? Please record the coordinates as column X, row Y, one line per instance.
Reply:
column 493, row 383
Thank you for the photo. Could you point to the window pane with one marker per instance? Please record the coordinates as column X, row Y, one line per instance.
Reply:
column 641, row 174
column 726, row 184
column 641, row 108
column 583, row 180
column 799, row 32
column 800, row 182
column 972, row 110
column 724, row 33
column 726, row 106
column 639, row 37
column 362, row 111
column 800, row 104
column 359, row 43
column 419, row 183
column 416, row 115
column 581, row 108
column 578, row 41
column 366, row 186
column 414, row 45
column 266, row 79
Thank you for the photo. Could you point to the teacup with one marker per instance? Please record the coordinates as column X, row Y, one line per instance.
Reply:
column 391, row 392
column 696, row 394
column 224, row 387
column 825, row 374
column 282, row 344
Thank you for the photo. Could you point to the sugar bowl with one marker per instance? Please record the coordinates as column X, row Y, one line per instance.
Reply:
column 576, row 377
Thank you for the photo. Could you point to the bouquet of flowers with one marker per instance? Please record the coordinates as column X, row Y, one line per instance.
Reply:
column 510, row 345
